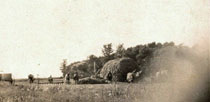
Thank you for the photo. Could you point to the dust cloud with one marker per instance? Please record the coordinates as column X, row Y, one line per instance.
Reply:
column 187, row 70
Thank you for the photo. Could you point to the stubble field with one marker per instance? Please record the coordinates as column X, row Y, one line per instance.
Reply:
column 119, row 92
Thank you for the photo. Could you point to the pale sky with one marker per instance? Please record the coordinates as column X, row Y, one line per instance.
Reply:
column 35, row 35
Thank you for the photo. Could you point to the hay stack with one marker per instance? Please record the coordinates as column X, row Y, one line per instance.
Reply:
column 119, row 68
column 81, row 68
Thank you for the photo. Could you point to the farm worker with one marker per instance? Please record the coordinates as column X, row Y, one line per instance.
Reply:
column 109, row 76
column 50, row 79
column 67, row 78
column 76, row 77
column 31, row 78
column 130, row 77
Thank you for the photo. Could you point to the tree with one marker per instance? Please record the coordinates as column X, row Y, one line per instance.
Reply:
column 120, row 52
column 63, row 67
column 152, row 45
column 168, row 44
column 92, row 58
column 107, row 52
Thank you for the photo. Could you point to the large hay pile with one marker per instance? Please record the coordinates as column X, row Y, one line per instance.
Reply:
column 81, row 67
column 119, row 68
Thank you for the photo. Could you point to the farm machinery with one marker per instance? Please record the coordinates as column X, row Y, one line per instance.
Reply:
column 6, row 77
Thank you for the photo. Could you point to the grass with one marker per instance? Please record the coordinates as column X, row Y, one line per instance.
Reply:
column 120, row 92
column 78, row 93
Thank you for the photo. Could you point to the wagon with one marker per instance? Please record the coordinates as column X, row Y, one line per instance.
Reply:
column 6, row 77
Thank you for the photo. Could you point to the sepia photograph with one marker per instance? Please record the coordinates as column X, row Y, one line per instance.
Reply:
column 104, row 50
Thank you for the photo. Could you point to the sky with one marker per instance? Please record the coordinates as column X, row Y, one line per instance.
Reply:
column 36, row 35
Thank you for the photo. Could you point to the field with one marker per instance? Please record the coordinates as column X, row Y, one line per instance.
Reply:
column 120, row 92
column 80, row 93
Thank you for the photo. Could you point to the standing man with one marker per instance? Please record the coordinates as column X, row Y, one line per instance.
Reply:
column 109, row 76
column 67, row 79
column 30, row 78
column 50, row 79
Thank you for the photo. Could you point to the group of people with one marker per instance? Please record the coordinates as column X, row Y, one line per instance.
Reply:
column 31, row 79
column 129, row 78
column 50, row 78
column 68, row 77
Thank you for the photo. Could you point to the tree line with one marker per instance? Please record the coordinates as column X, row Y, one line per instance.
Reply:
column 143, row 55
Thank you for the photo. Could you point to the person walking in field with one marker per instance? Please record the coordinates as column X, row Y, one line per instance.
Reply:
column 76, row 77
column 50, row 79
column 30, row 78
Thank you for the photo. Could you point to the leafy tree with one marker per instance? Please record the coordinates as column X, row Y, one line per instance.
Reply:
column 93, row 62
column 92, row 58
column 107, row 52
column 133, row 51
column 159, row 45
column 120, row 52
column 152, row 45
column 168, row 44
column 63, row 67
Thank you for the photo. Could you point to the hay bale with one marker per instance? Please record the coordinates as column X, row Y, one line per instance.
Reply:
column 119, row 68
column 89, row 80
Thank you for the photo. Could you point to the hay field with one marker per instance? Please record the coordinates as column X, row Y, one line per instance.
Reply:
column 120, row 92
